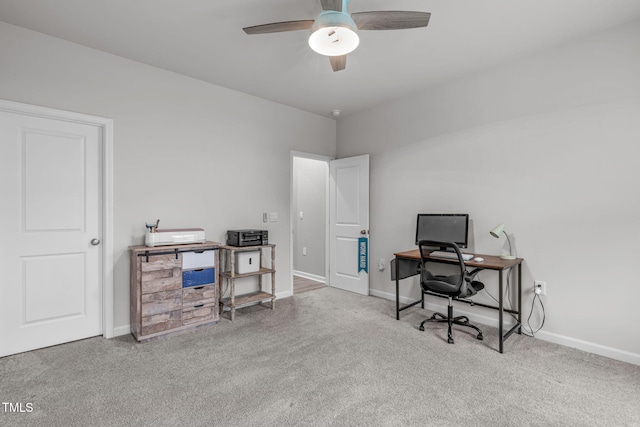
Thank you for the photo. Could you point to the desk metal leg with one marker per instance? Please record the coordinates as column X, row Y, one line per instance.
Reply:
column 397, row 298
column 519, row 298
column 500, row 311
column 518, row 326
column 407, row 269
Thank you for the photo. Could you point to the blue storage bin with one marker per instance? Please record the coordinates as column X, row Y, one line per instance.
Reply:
column 205, row 276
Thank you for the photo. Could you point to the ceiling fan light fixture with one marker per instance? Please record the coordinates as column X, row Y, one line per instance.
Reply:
column 334, row 34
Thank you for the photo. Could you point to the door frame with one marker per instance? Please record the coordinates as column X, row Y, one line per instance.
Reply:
column 106, row 127
column 292, row 214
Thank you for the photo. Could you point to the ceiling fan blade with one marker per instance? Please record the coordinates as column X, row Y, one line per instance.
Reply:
column 332, row 5
column 278, row 27
column 390, row 20
column 338, row 62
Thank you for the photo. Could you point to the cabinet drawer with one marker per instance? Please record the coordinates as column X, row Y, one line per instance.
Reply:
column 198, row 295
column 160, row 280
column 205, row 276
column 160, row 302
column 160, row 262
column 161, row 322
column 196, row 260
column 204, row 313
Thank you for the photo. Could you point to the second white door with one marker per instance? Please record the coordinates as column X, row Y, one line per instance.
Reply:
column 349, row 224
column 50, row 177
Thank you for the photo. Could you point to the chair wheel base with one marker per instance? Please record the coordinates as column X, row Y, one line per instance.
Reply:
column 460, row 320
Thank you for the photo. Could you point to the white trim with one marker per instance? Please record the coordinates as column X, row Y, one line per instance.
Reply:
column 285, row 294
column 308, row 276
column 121, row 330
column 106, row 125
column 327, row 212
column 311, row 156
column 108, row 330
column 610, row 352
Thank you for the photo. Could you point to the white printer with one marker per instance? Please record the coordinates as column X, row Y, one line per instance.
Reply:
column 176, row 236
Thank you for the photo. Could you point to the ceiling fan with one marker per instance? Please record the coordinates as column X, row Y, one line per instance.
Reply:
column 334, row 31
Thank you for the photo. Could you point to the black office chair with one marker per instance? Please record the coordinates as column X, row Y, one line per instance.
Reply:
column 460, row 285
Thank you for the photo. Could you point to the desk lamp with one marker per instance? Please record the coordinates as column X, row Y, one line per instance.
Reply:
column 499, row 229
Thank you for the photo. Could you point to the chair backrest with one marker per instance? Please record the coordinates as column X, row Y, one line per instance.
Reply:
column 451, row 285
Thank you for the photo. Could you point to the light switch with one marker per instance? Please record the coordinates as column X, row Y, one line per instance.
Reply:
column 273, row 216
column 265, row 217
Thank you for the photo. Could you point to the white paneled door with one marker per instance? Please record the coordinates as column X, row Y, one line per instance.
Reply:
column 349, row 224
column 50, row 212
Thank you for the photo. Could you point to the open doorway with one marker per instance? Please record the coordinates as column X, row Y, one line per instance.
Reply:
column 309, row 221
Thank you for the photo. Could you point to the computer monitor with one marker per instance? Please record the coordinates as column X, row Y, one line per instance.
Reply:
column 443, row 228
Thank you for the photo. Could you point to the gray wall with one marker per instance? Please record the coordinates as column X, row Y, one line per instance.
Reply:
column 309, row 196
column 548, row 145
column 190, row 153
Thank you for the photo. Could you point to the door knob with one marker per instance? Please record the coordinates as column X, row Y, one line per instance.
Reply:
column 364, row 231
column 95, row 242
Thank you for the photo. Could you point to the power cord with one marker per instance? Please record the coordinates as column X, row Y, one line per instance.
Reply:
column 530, row 332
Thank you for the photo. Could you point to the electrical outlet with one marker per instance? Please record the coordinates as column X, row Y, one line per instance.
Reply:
column 540, row 287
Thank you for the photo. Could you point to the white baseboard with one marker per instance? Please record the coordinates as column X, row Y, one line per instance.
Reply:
column 309, row 276
column 474, row 317
column 284, row 294
column 121, row 330
column 612, row 353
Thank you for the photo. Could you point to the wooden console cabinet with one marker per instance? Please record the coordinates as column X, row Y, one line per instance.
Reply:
column 173, row 288
column 229, row 257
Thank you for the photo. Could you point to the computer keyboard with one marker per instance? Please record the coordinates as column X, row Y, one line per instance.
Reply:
column 450, row 255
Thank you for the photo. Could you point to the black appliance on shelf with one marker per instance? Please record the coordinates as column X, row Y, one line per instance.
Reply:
column 247, row 237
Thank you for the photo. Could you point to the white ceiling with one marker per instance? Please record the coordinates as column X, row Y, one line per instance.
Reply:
column 204, row 39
